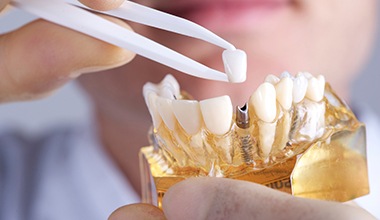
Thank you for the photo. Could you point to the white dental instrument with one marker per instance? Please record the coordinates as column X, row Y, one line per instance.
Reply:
column 65, row 14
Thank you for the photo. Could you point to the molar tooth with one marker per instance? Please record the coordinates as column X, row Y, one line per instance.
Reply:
column 285, row 122
column 235, row 65
column 147, row 88
column 217, row 114
column 299, row 88
column 272, row 79
column 264, row 102
column 316, row 88
column 286, row 74
column 151, row 100
column 167, row 91
column 150, row 96
column 165, row 109
column 170, row 81
column 306, row 74
column 267, row 133
column 188, row 114
column 284, row 92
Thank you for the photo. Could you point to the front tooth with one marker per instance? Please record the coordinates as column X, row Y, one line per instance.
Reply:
column 235, row 65
column 165, row 109
column 299, row 88
column 316, row 88
column 266, row 134
column 284, row 92
column 217, row 114
column 152, row 106
column 272, row 79
column 188, row 114
column 264, row 102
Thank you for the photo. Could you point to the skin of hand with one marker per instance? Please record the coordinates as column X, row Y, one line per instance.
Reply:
column 40, row 57
column 219, row 198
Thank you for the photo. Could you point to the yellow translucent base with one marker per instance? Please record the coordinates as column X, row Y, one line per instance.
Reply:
column 334, row 170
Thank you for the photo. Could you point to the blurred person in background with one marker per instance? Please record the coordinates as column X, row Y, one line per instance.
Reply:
column 87, row 172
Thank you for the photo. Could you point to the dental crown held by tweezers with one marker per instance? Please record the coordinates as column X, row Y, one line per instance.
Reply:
column 71, row 14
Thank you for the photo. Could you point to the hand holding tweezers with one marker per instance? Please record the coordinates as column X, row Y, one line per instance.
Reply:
column 70, row 15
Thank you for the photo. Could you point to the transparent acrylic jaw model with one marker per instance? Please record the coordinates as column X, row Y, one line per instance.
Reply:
column 318, row 151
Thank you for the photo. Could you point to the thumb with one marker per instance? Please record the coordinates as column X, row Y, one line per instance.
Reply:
column 41, row 56
column 220, row 198
column 137, row 212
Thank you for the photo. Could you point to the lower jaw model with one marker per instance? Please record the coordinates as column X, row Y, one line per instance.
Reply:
column 294, row 135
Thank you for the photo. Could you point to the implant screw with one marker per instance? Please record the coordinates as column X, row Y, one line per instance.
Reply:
column 245, row 138
column 242, row 117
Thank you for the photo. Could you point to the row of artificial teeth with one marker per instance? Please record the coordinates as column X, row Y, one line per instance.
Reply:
column 217, row 113
column 286, row 90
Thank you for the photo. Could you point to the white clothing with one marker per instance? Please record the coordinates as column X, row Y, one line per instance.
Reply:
column 64, row 175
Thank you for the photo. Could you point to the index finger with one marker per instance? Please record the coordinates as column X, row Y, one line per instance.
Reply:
column 102, row 5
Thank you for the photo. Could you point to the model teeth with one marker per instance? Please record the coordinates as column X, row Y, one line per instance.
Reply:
column 316, row 88
column 299, row 88
column 283, row 137
column 284, row 92
column 285, row 75
column 267, row 133
column 168, row 87
column 307, row 75
column 235, row 65
column 165, row 109
column 188, row 115
column 272, row 79
column 148, row 88
column 264, row 102
column 151, row 99
column 167, row 92
column 158, row 99
column 170, row 81
column 200, row 126
column 217, row 114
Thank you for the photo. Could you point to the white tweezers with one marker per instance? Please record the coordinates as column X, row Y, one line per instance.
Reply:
column 69, row 14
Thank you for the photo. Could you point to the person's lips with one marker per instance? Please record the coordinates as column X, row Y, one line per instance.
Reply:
column 217, row 14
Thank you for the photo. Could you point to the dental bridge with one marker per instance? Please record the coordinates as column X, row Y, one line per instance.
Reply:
column 71, row 14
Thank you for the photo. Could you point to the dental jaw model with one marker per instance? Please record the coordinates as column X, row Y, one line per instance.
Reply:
column 294, row 134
